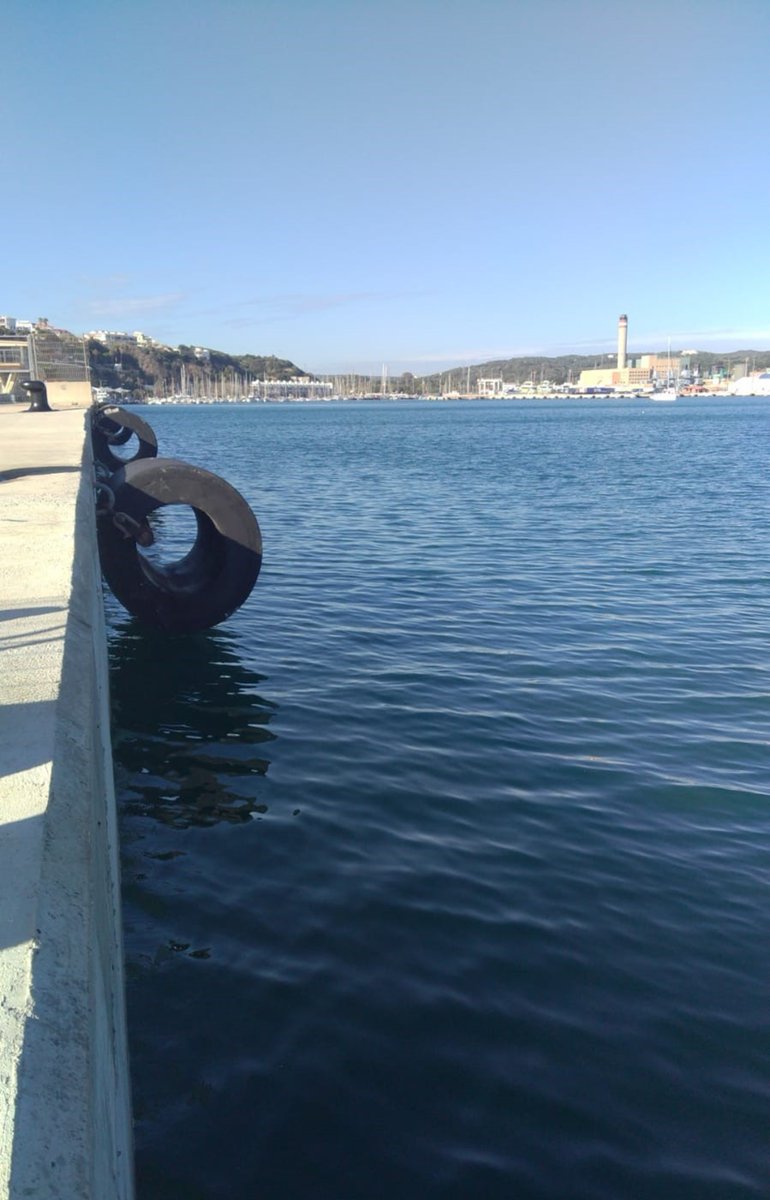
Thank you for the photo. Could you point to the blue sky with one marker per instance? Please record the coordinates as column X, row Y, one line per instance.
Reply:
column 424, row 183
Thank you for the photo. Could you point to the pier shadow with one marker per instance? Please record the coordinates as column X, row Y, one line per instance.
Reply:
column 190, row 726
column 18, row 614
column 22, row 472
column 26, row 735
column 75, row 990
column 20, row 848
column 30, row 629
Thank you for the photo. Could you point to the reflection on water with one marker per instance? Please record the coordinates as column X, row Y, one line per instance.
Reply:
column 174, row 529
column 191, row 734
column 190, row 728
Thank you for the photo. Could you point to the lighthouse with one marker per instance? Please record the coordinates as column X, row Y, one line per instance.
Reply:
column 622, row 341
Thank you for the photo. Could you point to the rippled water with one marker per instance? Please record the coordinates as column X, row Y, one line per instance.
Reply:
column 445, row 860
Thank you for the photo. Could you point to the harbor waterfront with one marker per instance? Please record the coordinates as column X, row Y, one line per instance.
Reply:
column 445, row 859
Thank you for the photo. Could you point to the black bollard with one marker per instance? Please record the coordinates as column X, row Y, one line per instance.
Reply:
column 38, row 395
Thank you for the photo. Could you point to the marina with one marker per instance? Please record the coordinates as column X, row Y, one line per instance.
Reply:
column 528, row 632
column 385, row 602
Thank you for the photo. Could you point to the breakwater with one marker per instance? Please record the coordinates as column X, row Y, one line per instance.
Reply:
column 65, row 1126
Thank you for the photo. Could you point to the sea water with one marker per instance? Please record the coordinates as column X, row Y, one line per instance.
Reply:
column 446, row 859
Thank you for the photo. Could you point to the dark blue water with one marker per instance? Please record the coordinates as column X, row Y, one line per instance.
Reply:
column 447, row 859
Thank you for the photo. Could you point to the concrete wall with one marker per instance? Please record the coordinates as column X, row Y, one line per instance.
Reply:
column 60, row 395
column 65, row 1125
column 69, row 395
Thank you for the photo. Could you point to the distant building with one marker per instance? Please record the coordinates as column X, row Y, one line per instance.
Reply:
column 112, row 337
column 17, row 325
column 630, row 371
column 751, row 385
column 110, row 395
column 54, row 356
column 298, row 388
column 489, row 388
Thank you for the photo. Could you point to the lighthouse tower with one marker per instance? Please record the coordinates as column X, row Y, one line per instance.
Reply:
column 622, row 341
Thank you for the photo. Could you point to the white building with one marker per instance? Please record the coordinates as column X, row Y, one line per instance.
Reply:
column 112, row 337
column 489, row 388
column 751, row 385
column 299, row 388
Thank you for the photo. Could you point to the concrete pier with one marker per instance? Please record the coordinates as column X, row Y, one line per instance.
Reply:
column 65, row 1122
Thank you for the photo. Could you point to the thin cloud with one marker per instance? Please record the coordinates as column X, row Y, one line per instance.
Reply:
column 523, row 350
column 99, row 283
column 134, row 305
column 648, row 341
column 745, row 336
column 289, row 306
column 468, row 356
column 298, row 304
column 292, row 307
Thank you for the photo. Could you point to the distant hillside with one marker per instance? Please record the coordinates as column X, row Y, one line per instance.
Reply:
column 568, row 367
column 151, row 371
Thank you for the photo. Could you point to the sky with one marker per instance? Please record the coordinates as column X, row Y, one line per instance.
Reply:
column 416, row 183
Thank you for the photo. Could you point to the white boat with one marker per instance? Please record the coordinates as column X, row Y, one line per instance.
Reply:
column 671, row 390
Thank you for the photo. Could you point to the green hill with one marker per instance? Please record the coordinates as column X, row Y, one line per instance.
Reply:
column 155, row 371
column 567, row 368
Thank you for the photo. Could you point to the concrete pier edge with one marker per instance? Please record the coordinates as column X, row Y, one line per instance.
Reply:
column 65, row 1112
